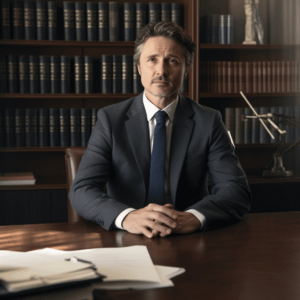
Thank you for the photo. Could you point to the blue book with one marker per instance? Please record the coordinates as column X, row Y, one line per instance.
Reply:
column 117, row 74
column 9, row 125
column 222, row 29
column 31, row 127
column 69, row 20
column 154, row 12
column 79, row 74
column 29, row 20
column 141, row 16
column 275, row 110
column 103, row 24
column 177, row 14
column 34, row 79
column 52, row 20
column 55, row 74
column 129, row 21
column 3, row 74
column 20, row 127
column 114, row 28
column 65, row 76
column 248, row 126
column 64, row 127
column 166, row 12
column 12, row 73
column 45, row 74
column 255, row 128
column 80, row 21
column 127, row 74
column 290, row 128
column 17, row 20
column 75, row 129
column 215, row 29
column 23, row 74
column 5, row 19
column 264, row 136
column 106, row 72
column 88, row 74
column 54, row 130
column 229, row 29
column 85, row 126
column 92, row 21
column 44, row 127
column 41, row 20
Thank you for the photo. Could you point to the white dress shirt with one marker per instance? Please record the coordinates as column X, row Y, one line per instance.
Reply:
column 151, row 110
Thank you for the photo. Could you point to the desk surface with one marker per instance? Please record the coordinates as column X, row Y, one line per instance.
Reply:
column 257, row 258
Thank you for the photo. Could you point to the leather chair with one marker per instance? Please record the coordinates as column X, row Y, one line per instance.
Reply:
column 72, row 158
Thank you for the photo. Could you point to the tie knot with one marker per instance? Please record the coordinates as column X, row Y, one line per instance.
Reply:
column 161, row 117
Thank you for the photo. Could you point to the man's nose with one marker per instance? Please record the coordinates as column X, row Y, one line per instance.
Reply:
column 161, row 69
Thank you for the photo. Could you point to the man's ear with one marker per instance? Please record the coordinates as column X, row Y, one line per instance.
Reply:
column 139, row 68
column 186, row 72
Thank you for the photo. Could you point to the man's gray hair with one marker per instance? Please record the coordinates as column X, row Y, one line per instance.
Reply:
column 169, row 30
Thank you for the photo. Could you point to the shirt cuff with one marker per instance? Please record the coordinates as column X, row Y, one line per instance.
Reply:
column 198, row 215
column 121, row 217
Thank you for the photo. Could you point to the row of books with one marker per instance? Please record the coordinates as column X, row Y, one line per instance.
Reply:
column 218, row 29
column 46, row 127
column 83, row 21
column 249, row 130
column 65, row 74
column 250, row 77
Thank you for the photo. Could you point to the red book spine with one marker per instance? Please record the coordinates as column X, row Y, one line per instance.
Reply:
column 230, row 77
column 236, row 82
column 264, row 77
column 249, row 77
column 242, row 76
column 254, row 70
column 259, row 77
column 224, row 77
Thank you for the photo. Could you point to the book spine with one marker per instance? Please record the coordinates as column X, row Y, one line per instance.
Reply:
column 20, row 127
column 154, row 12
column 64, row 127
column 65, row 74
column 166, row 12
column 117, row 74
column 31, row 125
column 242, row 75
column 290, row 128
column 93, row 118
column 239, row 125
column 80, row 21
column 247, row 126
column 54, row 127
column 129, row 21
column 141, row 16
column 229, row 29
column 85, row 126
column 44, row 127
column 24, row 74
column 2, row 128
column 137, row 84
column 92, row 21
column 55, row 74
column 230, row 120
column 214, row 29
column 69, row 20
column 9, row 122
column 75, row 127
column 5, row 19
column 44, row 74
column 103, row 23
column 259, row 77
column 219, row 86
column 288, row 77
column 230, row 78
column 207, row 21
column 274, row 77
column 249, row 77
column 278, row 76
column 34, row 85
column 113, row 8
column 275, row 110
column 236, row 76
column 269, row 77
column 297, row 117
column 88, row 75
column 52, row 20
column 224, row 77
column 41, row 20
column 255, row 128
column 254, row 71
column 12, row 73
column 29, row 20
column 17, row 20
column 106, row 71
column 264, row 136
column 222, row 29
column 79, row 74
column 177, row 14
column 126, row 74
column 3, row 74
column 283, row 77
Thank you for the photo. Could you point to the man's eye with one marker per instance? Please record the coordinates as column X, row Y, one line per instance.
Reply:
column 173, row 61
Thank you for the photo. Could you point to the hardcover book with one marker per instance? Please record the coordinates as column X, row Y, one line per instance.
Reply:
column 52, row 20
column 75, row 127
column 69, row 20
column 41, row 20
column 166, row 12
column 44, row 127
column 103, row 23
column 141, row 16
column 17, row 20
column 34, row 84
column 64, row 125
column 92, row 21
column 129, row 21
column 44, row 74
column 31, row 130
column 177, row 13
column 88, row 74
column 80, row 21
column 29, row 20
column 65, row 74
column 127, row 74
column 54, row 129
column 117, row 74
column 23, row 73
column 13, row 73
column 5, row 19
column 85, row 126
column 55, row 74
column 79, row 74
column 3, row 74
column 9, row 121
column 106, row 72
column 113, row 21
column 154, row 12
column 20, row 127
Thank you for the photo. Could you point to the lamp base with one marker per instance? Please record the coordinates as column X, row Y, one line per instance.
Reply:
column 278, row 173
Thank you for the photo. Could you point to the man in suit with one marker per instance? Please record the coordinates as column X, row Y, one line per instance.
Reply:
column 140, row 197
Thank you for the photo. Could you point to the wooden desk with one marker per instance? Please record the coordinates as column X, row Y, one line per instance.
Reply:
column 257, row 258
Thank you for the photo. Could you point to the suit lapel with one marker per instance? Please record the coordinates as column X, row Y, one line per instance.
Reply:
column 181, row 134
column 138, row 133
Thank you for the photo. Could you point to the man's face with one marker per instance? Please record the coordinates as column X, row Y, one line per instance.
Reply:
column 162, row 67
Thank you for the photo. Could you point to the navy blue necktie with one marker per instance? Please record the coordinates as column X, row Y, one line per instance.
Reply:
column 157, row 168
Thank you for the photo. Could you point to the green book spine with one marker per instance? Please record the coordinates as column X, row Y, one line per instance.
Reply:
column 41, row 20
column 31, row 127
column 88, row 74
column 55, row 74
column 29, row 20
column 13, row 73
column 23, row 74
column 113, row 21
column 106, row 71
column 154, row 12
column 64, row 125
column 44, row 74
column 79, row 74
column 65, row 74
column 85, row 126
column 75, row 127
column 117, row 74
column 141, row 16
column 54, row 127
column 69, row 20
column 44, row 127
column 52, row 20
column 17, row 20
column 127, row 74
column 92, row 21
column 103, row 23
column 80, row 21
column 20, row 127
column 129, row 21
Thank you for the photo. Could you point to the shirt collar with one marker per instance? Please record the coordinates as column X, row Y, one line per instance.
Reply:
column 151, row 109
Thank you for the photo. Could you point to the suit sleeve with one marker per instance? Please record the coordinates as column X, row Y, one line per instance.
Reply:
column 230, row 196
column 87, row 193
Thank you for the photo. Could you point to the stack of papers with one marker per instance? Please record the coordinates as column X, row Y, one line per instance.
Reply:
column 19, row 178
column 123, row 267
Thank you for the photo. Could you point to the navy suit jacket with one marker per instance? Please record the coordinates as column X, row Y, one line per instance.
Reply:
column 118, row 156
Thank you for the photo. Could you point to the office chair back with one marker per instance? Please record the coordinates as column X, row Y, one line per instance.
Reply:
column 72, row 158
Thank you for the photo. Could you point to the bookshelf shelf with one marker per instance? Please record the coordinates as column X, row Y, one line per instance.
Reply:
column 247, row 47
column 249, row 95
column 34, row 149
